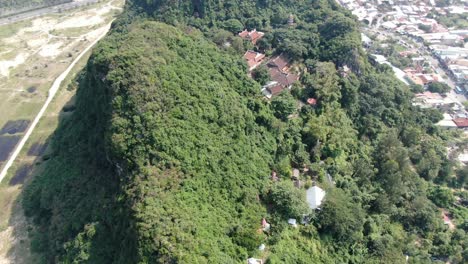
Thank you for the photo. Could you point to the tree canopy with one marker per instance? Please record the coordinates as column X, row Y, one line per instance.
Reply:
column 173, row 154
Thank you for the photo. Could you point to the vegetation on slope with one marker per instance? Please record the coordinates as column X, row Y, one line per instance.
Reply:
column 168, row 154
column 191, row 157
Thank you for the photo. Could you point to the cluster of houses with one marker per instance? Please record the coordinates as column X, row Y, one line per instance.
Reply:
column 281, row 78
column 455, row 62
column 417, row 75
column 447, row 46
column 411, row 18
column 278, row 66
column 451, row 121
column 455, row 116
column 401, row 15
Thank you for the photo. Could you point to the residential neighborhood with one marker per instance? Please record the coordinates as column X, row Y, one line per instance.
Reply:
column 420, row 49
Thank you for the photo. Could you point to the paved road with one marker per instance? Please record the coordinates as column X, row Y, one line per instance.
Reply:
column 453, row 95
column 45, row 11
column 52, row 91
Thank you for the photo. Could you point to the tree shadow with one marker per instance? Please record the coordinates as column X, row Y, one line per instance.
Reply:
column 71, row 188
column 19, row 226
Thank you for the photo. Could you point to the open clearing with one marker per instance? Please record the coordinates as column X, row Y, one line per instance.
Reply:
column 32, row 54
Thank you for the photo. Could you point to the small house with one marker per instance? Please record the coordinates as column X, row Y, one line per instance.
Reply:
column 292, row 222
column 461, row 122
column 272, row 88
column 254, row 261
column 281, row 62
column 252, row 36
column 254, row 59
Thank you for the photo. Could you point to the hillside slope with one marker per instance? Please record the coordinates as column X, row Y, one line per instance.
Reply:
column 168, row 155
column 182, row 148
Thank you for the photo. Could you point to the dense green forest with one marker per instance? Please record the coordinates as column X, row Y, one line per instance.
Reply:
column 168, row 154
column 15, row 6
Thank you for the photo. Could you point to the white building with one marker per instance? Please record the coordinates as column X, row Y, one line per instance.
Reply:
column 314, row 197
column 447, row 122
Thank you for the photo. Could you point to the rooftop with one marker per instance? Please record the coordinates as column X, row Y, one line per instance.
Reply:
column 253, row 59
column 461, row 122
column 253, row 35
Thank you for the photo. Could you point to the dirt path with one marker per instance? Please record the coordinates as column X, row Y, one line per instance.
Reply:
column 52, row 91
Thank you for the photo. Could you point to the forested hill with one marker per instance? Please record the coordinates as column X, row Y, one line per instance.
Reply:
column 169, row 153
column 8, row 7
column 324, row 29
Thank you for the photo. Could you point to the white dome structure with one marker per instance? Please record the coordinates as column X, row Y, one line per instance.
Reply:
column 315, row 196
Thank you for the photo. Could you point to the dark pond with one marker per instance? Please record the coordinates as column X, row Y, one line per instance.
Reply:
column 13, row 127
column 31, row 89
column 7, row 144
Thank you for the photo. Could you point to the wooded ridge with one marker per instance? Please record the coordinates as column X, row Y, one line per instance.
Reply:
column 174, row 155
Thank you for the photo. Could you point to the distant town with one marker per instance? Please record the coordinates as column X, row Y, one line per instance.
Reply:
column 425, row 43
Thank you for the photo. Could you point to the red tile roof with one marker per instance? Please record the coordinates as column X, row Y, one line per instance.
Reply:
column 244, row 33
column 292, row 78
column 312, row 101
column 285, row 79
column 253, row 35
column 250, row 55
column 253, row 59
column 274, row 90
column 280, row 62
column 461, row 122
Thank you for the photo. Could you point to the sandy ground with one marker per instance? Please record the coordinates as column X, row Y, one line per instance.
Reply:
column 38, row 38
column 51, row 50
column 81, row 21
column 6, row 65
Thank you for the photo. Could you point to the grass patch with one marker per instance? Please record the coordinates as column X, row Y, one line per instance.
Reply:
column 70, row 32
column 8, row 55
column 9, row 30
column 8, row 195
column 28, row 109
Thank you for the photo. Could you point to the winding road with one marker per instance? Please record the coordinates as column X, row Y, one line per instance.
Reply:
column 52, row 91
